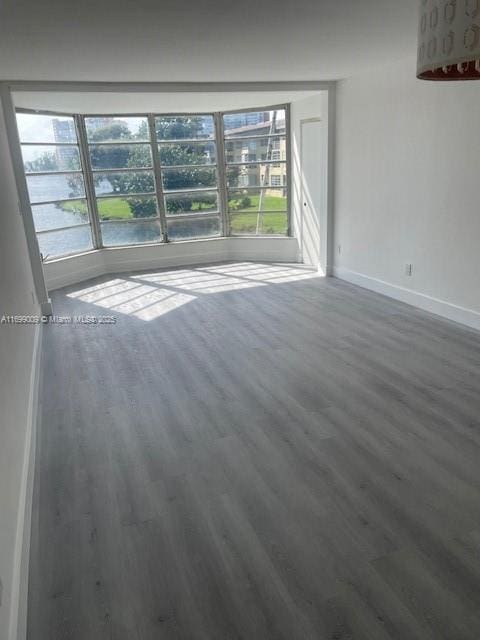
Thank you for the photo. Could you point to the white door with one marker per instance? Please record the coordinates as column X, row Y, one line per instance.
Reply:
column 312, row 186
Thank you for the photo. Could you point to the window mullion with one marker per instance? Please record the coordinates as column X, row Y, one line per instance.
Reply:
column 221, row 173
column 88, row 181
column 157, row 170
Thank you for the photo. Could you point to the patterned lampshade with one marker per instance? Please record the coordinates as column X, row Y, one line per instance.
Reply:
column 449, row 40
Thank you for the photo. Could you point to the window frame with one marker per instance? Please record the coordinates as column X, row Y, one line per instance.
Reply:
column 218, row 187
column 287, row 162
column 56, row 144
column 159, row 194
column 95, row 198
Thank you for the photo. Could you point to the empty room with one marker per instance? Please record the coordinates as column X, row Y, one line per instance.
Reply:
column 239, row 320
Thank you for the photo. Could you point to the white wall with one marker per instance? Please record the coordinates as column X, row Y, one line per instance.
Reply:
column 65, row 271
column 311, row 233
column 16, row 355
column 407, row 189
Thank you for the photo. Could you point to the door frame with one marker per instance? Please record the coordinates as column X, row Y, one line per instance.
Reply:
column 323, row 248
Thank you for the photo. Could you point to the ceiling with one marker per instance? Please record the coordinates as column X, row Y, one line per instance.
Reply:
column 202, row 40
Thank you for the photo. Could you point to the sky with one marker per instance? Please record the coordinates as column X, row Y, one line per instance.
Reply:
column 39, row 128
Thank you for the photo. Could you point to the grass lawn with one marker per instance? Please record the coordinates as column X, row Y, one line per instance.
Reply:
column 243, row 220
column 270, row 203
column 74, row 206
column 111, row 209
column 275, row 223
column 114, row 209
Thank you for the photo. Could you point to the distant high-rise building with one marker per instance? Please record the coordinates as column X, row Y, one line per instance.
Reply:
column 250, row 118
column 98, row 123
column 64, row 132
column 207, row 126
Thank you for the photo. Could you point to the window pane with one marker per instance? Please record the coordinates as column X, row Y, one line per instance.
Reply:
column 257, row 199
column 109, row 129
column 184, row 127
column 254, row 123
column 41, row 128
column 60, row 214
column 121, row 233
column 55, row 187
column 187, row 153
column 124, row 183
column 191, row 229
column 203, row 202
column 50, row 158
column 255, row 150
column 58, row 243
column 126, row 208
column 257, row 175
column 133, row 156
column 274, row 223
column 188, row 178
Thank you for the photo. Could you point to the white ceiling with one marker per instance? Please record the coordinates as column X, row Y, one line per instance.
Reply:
column 117, row 103
column 202, row 40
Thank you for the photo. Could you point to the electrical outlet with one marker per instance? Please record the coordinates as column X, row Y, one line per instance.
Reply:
column 408, row 269
column 339, row 248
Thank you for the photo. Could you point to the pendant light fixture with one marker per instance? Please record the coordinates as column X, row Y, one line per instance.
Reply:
column 449, row 40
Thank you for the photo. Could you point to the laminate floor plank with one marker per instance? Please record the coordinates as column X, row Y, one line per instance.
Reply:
column 253, row 452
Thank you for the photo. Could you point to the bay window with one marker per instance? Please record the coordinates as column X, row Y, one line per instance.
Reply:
column 110, row 181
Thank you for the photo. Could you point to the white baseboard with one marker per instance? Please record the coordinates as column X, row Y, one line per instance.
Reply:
column 447, row 310
column 19, row 599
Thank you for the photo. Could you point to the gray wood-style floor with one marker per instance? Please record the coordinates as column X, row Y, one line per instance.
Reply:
column 253, row 452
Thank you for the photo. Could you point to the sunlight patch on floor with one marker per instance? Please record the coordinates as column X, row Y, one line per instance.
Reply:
column 151, row 295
